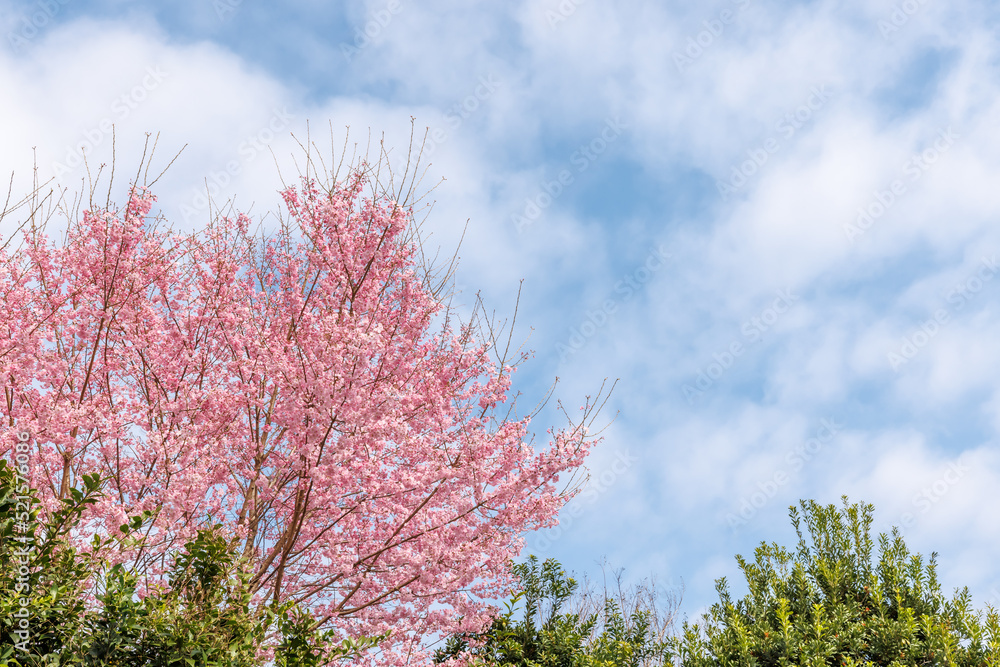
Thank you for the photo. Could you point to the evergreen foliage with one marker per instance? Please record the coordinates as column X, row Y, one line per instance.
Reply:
column 828, row 603
column 547, row 635
column 205, row 619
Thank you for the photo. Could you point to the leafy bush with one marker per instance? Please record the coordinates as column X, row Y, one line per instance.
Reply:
column 206, row 618
column 626, row 631
column 826, row 603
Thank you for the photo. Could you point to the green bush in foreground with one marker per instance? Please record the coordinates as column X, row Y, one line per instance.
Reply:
column 548, row 636
column 205, row 619
column 827, row 603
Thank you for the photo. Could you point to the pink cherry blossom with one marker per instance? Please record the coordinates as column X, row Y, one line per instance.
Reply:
column 300, row 390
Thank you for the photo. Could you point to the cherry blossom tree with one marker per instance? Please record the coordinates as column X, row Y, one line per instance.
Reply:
column 310, row 390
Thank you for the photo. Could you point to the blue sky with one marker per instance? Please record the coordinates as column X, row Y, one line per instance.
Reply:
column 776, row 223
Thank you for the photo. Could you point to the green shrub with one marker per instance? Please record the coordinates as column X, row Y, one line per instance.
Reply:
column 548, row 636
column 827, row 603
column 205, row 619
